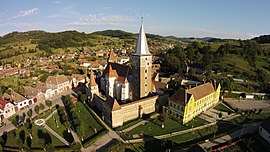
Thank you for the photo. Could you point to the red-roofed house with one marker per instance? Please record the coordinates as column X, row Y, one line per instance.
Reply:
column 17, row 99
column 7, row 108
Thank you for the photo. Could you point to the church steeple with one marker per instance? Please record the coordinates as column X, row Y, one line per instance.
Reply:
column 142, row 47
column 141, row 68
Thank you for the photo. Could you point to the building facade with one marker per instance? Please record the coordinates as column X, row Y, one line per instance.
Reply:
column 58, row 83
column 186, row 104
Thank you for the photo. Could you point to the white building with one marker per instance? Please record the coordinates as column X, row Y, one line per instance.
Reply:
column 58, row 83
column 17, row 99
column 116, row 80
column 7, row 108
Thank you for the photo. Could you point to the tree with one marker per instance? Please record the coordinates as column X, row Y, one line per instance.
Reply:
column 67, row 125
column 260, row 110
column 48, row 103
column 41, row 106
column 220, row 115
column 36, row 109
column 30, row 113
column 83, row 98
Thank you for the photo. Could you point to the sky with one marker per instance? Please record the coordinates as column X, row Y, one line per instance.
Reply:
column 238, row 19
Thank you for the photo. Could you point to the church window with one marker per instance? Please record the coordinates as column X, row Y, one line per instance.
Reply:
column 145, row 58
column 145, row 71
column 146, row 85
column 147, row 63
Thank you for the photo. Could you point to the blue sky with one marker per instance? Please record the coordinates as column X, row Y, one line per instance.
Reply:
column 190, row 18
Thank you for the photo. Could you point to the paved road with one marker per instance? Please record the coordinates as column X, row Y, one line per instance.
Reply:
column 250, row 128
column 248, row 104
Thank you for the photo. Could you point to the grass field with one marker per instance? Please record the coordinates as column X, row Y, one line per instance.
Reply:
column 88, row 123
column 222, row 107
column 37, row 133
column 61, row 129
column 153, row 127
column 17, row 82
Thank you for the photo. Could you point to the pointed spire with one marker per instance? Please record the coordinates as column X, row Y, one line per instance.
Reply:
column 92, row 79
column 112, row 57
column 111, row 72
column 142, row 47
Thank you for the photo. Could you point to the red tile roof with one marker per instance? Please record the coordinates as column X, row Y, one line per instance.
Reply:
column 3, row 103
column 121, row 72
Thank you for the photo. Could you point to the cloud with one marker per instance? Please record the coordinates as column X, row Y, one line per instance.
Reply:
column 56, row 2
column 25, row 13
column 28, row 24
column 100, row 19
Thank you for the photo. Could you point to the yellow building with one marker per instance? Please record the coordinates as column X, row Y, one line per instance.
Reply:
column 186, row 104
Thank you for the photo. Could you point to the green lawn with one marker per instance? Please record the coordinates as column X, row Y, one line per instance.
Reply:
column 88, row 122
column 153, row 127
column 45, row 114
column 222, row 107
column 37, row 135
column 61, row 129
column 129, row 124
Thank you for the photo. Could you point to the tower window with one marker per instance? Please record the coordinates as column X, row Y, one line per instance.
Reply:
column 145, row 71
column 146, row 85
column 145, row 58
column 148, row 63
column 145, row 77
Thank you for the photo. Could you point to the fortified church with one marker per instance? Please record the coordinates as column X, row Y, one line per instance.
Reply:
column 128, row 90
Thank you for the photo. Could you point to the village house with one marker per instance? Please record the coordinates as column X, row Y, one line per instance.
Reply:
column 95, row 65
column 160, row 87
column 7, row 108
column 35, row 94
column 18, row 100
column 9, row 72
column 99, row 53
column 58, row 83
column 43, row 90
column 77, row 79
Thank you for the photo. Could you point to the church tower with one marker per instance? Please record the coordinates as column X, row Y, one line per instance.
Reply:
column 141, row 67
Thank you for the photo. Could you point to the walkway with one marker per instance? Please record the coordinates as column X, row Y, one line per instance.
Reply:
column 50, row 115
column 140, row 123
column 251, row 128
